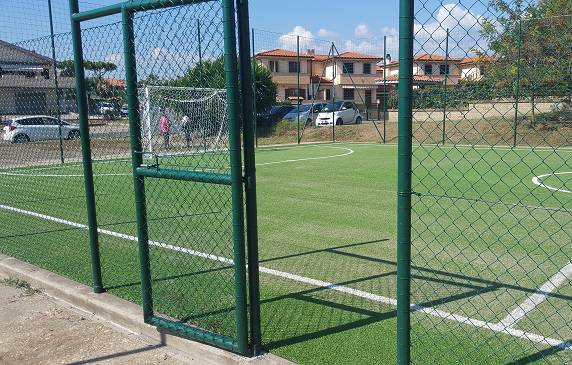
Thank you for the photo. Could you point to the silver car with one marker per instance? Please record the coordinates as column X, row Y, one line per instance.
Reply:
column 38, row 127
column 308, row 113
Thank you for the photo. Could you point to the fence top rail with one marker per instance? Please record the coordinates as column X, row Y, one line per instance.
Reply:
column 133, row 5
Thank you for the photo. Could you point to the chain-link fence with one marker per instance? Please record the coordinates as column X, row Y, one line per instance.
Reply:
column 297, row 76
column 67, row 167
column 490, row 190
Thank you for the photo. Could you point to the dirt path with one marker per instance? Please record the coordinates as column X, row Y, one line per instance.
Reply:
column 37, row 329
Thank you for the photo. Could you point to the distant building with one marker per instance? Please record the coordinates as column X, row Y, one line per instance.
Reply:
column 349, row 76
column 27, row 83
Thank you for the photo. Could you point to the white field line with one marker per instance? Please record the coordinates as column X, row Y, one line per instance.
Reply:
column 536, row 181
column 496, row 327
column 558, row 279
column 348, row 151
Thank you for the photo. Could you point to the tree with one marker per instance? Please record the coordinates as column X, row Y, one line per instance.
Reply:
column 265, row 88
column 66, row 68
column 210, row 74
column 532, row 48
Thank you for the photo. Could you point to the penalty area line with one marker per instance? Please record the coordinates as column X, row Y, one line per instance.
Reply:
column 495, row 327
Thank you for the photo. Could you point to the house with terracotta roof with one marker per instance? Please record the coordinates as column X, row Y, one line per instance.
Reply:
column 430, row 69
column 347, row 76
column 474, row 68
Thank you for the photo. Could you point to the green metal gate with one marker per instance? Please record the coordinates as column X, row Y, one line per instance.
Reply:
column 192, row 195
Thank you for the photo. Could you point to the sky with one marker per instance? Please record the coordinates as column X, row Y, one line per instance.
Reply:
column 359, row 26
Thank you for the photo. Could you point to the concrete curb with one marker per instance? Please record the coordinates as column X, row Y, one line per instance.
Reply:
column 125, row 314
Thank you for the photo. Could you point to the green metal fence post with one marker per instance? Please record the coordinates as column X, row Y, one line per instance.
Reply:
column 56, row 84
column 333, row 94
column 254, row 90
column 200, row 50
column 406, row 19
column 82, row 109
column 517, row 83
column 298, row 84
column 384, row 88
column 445, row 87
column 233, row 109
column 249, row 176
column 136, row 161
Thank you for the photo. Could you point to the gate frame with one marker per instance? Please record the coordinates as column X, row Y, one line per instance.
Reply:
column 239, row 110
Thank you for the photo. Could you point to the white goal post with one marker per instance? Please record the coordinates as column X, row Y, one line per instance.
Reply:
column 197, row 119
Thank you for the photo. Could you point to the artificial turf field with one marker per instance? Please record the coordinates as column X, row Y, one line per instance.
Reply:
column 485, row 238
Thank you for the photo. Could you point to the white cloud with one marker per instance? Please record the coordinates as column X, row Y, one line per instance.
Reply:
column 288, row 40
column 324, row 33
column 362, row 31
column 464, row 31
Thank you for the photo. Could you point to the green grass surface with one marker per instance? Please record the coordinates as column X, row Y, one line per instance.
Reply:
column 485, row 238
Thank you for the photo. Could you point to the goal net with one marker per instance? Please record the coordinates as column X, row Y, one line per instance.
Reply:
column 196, row 120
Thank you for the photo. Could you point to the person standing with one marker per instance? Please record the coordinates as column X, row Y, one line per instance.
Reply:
column 187, row 130
column 165, row 127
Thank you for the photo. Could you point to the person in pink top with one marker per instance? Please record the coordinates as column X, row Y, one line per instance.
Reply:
column 165, row 127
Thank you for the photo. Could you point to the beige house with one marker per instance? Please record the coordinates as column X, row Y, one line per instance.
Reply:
column 429, row 69
column 348, row 76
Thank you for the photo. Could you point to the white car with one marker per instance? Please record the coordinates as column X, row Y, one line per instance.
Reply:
column 308, row 113
column 340, row 112
column 103, row 108
column 38, row 127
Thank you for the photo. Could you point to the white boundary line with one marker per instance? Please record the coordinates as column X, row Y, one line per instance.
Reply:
column 496, row 327
column 348, row 152
column 536, row 181
column 540, row 296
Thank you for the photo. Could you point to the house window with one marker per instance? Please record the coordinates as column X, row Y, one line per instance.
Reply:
column 328, row 94
column 444, row 70
column 367, row 97
column 349, row 94
column 274, row 66
column 482, row 71
column 293, row 67
column 367, row 68
column 428, row 70
column 348, row 67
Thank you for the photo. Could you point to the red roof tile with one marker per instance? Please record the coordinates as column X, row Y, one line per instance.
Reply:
column 282, row 53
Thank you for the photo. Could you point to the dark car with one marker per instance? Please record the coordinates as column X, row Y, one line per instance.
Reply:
column 271, row 117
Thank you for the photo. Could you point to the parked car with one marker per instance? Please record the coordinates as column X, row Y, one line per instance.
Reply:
column 104, row 108
column 276, row 113
column 340, row 112
column 38, row 127
column 308, row 113
column 124, row 111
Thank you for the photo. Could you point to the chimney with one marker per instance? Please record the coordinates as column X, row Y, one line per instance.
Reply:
column 311, row 52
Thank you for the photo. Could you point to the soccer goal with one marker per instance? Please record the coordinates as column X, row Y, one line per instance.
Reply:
column 196, row 118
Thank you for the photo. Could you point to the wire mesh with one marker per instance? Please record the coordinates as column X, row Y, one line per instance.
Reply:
column 491, row 203
column 328, row 72
column 183, row 107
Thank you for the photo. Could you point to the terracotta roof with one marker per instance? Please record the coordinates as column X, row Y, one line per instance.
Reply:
column 318, row 57
column 282, row 53
column 434, row 57
column 320, row 79
column 321, row 57
column 477, row 59
column 115, row 82
column 347, row 56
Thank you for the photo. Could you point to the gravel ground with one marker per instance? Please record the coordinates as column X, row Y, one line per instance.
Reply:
column 38, row 329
